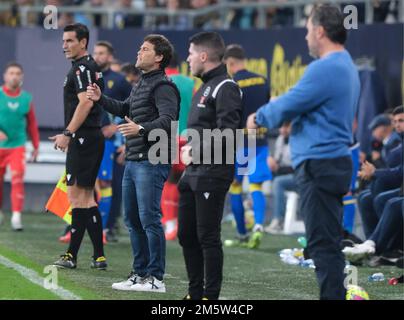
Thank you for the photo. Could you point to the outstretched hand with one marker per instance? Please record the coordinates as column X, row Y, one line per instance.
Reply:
column 130, row 128
column 93, row 92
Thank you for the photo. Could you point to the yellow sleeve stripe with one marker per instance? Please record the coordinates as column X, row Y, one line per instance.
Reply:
column 250, row 82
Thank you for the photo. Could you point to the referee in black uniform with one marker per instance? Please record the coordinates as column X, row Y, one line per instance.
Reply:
column 84, row 143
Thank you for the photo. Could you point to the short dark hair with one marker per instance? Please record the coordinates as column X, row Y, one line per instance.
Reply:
column 331, row 19
column 174, row 61
column 130, row 68
column 81, row 31
column 13, row 64
column 107, row 45
column 235, row 51
column 162, row 47
column 211, row 41
column 398, row 110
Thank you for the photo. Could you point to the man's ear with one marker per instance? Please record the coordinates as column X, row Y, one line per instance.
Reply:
column 204, row 56
column 159, row 58
column 320, row 32
column 84, row 43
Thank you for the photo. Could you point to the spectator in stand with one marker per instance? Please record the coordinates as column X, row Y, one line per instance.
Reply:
column 281, row 167
column 131, row 73
column 123, row 19
column 207, row 21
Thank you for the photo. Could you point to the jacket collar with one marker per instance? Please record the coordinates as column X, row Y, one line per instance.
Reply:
column 152, row 73
column 10, row 93
column 218, row 71
column 81, row 59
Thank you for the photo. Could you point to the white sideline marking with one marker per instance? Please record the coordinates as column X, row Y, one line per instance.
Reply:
column 33, row 276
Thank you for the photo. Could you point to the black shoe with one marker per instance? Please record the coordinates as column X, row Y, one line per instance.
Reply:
column 100, row 263
column 66, row 261
column 390, row 258
column 377, row 261
column 347, row 243
column 400, row 263
column 111, row 236
column 352, row 237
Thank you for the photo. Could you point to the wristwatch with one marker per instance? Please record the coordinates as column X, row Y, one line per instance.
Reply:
column 67, row 133
column 142, row 131
column 255, row 121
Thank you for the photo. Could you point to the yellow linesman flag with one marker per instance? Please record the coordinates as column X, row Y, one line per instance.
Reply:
column 58, row 202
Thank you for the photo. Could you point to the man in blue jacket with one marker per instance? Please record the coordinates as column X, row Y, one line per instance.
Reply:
column 321, row 107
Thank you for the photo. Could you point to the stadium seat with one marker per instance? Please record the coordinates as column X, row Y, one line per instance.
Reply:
column 292, row 224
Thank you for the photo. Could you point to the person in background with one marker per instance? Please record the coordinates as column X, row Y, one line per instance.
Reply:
column 131, row 73
column 17, row 118
column 170, row 196
column 281, row 167
column 255, row 89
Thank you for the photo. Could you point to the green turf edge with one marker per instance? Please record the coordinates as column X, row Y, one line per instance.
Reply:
column 65, row 283
column 21, row 288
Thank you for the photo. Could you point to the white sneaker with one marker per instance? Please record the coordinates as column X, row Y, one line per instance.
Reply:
column 274, row 227
column 125, row 285
column 258, row 228
column 360, row 251
column 1, row 217
column 149, row 284
column 16, row 223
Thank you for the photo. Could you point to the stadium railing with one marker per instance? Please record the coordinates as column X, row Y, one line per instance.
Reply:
column 223, row 8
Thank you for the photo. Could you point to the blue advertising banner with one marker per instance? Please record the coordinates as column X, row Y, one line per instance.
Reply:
column 280, row 54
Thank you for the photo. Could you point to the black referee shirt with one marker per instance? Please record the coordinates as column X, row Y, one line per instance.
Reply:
column 84, row 71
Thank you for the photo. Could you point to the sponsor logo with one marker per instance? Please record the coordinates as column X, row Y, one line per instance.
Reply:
column 206, row 92
column 13, row 105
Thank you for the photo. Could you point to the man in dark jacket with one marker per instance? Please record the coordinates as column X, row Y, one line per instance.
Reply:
column 216, row 106
column 152, row 104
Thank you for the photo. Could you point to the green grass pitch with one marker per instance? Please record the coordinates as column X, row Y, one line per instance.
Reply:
column 248, row 274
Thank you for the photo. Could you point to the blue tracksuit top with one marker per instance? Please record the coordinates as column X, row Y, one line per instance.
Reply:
column 321, row 106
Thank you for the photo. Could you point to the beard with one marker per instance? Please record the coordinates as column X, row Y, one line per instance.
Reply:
column 313, row 51
column 104, row 66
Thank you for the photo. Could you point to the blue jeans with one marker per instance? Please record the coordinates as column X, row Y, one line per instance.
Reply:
column 280, row 185
column 142, row 186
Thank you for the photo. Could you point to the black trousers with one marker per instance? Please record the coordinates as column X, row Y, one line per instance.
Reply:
column 322, row 185
column 199, row 226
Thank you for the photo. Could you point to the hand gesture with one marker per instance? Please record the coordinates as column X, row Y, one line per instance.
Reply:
column 93, row 92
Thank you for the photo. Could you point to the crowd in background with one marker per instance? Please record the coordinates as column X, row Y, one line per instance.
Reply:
column 242, row 18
